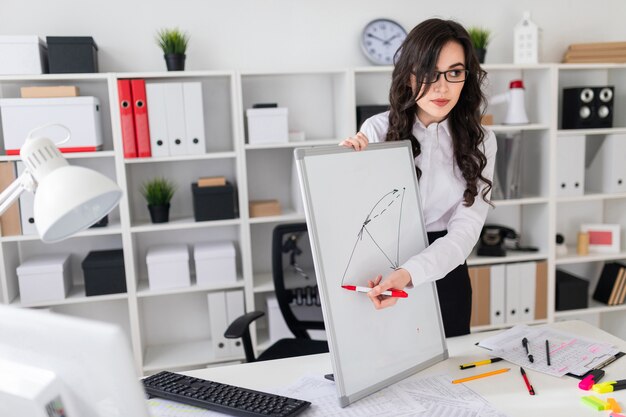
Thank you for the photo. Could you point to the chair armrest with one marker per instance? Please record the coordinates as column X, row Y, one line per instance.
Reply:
column 239, row 327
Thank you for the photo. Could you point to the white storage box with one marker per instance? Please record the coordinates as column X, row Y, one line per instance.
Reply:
column 81, row 115
column 607, row 171
column 268, row 125
column 22, row 55
column 570, row 165
column 168, row 266
column 215, row 263
column 44, row 278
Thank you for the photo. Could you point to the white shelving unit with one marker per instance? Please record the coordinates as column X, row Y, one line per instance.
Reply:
column 170, row 329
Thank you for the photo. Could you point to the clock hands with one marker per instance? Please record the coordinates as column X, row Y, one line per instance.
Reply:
column 392, row 38
column 375, row 37
column 384, row 41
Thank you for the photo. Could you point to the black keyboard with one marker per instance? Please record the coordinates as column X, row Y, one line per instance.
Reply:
column 223, row 398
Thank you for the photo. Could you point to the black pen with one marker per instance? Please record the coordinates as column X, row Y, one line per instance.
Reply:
column 527, row 347
column 548, row 352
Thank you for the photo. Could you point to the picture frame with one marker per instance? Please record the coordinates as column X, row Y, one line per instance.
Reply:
column 603, row 238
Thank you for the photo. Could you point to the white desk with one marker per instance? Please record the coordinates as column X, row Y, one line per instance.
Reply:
column 507, row 392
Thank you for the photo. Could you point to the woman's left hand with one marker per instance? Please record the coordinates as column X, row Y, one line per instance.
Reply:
column 397, row 280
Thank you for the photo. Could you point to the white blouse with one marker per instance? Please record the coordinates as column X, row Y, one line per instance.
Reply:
column 441, row 191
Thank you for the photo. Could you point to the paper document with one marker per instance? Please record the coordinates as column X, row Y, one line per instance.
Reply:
column 159, row 407
column 568, row 353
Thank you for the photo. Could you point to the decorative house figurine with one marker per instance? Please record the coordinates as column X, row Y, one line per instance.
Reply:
column 526, row 41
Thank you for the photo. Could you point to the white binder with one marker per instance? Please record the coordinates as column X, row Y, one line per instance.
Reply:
column 218, row 322
column 528, row 284
column 194, row 118
column 175, row 116
column 570, row 165
column 155, row 96
column 234, row 309
column 607, row 171
column 498, row 286
column 27, row 202
column 513, row 297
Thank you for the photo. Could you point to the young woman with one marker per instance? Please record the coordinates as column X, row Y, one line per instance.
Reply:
column 435, row 102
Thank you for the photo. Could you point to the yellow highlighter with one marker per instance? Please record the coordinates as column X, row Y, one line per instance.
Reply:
column 475, row 364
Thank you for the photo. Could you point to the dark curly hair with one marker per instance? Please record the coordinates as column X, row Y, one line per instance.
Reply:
column 418, row 56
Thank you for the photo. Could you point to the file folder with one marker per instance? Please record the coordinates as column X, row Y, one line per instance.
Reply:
column 480, row 280
column 27, row 203
column 218, row 322
column 496, row 296
column 10, row 220
column 513, row 296
column 570, row 165
column 175, row 116
column 194, row 118
column 157, row 123
column 527, row 290
column 140, row 113
column 234, row 309
column 607, row 171
column 125, row 106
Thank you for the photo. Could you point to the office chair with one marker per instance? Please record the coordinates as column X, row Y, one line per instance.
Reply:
column 288, row 294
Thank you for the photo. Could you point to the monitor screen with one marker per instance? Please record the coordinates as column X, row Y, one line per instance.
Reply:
column 91, row 359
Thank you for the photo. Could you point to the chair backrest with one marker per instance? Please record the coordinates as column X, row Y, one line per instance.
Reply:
column 293, row 288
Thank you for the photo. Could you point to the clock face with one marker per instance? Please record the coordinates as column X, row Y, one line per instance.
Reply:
column 380, row 40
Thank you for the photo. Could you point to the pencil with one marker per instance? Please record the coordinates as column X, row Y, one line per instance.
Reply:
column 470, row 378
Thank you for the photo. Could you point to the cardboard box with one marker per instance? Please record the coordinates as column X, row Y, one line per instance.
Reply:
column 267, row 125
column 168, row 266
column 81, row 115
column 215, row 263
column 211, row 181
column 44, row 278
column 264, row 208
column 49, row 91
column 22, row 55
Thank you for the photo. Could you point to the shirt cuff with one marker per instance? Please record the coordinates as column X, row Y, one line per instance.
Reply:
column 416, row 272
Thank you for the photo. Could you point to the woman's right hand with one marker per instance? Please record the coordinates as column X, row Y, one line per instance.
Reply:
column 357, row 142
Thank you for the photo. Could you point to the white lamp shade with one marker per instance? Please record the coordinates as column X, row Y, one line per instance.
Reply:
column 70, row 199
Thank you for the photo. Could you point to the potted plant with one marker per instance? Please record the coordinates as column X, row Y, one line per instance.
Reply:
column 480, row 39
column 158, row 192
column 173, row 42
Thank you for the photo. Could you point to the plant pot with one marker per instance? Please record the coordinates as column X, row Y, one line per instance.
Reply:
column 175, row 62
column 480, row 54
column 159, row 214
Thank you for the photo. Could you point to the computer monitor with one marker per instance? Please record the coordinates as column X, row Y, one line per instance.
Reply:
column 91, row 360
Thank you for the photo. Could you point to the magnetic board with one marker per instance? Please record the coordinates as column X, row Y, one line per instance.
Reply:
column 364, row 218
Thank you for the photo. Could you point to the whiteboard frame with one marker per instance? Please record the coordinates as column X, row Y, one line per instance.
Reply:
column 300, row 154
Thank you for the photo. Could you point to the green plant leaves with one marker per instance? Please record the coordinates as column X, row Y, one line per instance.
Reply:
column 172, row 41
column 158, row 191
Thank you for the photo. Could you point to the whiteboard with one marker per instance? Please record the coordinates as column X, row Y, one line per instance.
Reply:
column 364, row 218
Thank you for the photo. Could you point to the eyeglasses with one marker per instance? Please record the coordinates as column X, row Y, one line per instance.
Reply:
column 451, row 76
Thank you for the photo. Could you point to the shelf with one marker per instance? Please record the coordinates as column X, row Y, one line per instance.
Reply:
column 595, row 307
column 474, row 260
column 69, row 156
column 586, row 132
column 181, row 355
column 521, row 201
column 55, row 77
column 301, row 144
column 181, row 224
column 76, row 296
column 143, row 288
column 173, row 74
column 113, row 228
column 289, row 216
column 590, row 197
column 181, row 158
column 573, row 258
column 517, row 128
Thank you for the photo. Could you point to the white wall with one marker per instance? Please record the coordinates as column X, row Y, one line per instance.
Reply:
column 294, row 34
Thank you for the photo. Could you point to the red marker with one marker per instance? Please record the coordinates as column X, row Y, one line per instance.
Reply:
column 391, row 293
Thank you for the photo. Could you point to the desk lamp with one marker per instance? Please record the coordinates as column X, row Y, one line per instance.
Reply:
column 68, row 199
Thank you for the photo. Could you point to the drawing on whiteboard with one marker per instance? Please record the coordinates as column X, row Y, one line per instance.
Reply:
column 374, row 237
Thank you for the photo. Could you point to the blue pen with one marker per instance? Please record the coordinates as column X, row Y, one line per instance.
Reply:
column 527, row 347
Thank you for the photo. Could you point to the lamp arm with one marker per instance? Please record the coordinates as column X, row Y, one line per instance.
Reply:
column 23, row 183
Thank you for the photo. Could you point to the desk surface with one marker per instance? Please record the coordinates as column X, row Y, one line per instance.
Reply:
column 555, row 396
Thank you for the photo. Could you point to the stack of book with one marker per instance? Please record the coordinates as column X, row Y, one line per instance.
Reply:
column 611, row 287
column 596, row 52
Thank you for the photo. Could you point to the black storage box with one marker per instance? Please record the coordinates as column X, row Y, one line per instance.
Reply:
column 365, row 112
column 213, row 203
column 104, row 272
column 72, row 54
column 571, row 292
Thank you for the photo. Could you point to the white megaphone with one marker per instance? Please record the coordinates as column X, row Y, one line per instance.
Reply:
column 516, row 114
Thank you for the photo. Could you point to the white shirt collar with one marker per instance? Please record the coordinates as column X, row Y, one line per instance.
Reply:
column 443, row 124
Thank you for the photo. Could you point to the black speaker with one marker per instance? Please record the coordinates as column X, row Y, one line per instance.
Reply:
column 587, row 107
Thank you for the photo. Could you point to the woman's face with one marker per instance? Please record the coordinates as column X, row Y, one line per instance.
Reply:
column 442, row 95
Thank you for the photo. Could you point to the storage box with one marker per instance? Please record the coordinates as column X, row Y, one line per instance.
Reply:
column 263, row 208
column 72, row 54
column 44, row 278
column 213, row 203
column 168, row 266
column 267, row 125
column 215, row 263
column 49, row 91
column 572, row 292
column 22, row 55
column 104, row 272
column 81, row 115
